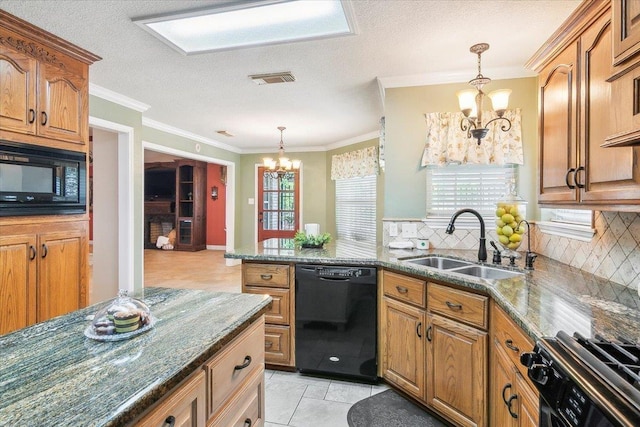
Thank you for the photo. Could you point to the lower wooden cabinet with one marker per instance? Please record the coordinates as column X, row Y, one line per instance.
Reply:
column 185, row 407
column 43, row 272
column 514, row 399
column 457, row 370
column 226, row 391
column 403, row 346
column 277, row 281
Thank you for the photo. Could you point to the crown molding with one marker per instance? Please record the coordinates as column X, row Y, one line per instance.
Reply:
column 189, row 135
column 115, row 97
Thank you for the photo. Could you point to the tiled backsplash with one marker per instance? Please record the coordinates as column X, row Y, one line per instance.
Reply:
column 613, row 252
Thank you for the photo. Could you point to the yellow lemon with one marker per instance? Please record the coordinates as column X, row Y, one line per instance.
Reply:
column 515, row 237
column 507, row 230
column 507, row 218
column 503, row 239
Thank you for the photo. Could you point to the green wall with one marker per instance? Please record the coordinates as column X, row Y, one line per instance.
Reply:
column 405, row 179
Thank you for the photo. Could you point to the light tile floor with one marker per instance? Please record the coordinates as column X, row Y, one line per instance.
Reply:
column 296, row 400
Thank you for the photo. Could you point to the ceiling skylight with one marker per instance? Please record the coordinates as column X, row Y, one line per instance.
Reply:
column 250, row 24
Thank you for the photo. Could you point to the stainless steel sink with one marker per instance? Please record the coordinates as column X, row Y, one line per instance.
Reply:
column 440, row 263
column 486, row 272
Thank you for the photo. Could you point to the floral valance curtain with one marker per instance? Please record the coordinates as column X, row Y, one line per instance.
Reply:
column 354, row 164
column 447, row 143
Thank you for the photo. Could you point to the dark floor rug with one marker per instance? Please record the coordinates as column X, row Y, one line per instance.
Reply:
column 389, row 409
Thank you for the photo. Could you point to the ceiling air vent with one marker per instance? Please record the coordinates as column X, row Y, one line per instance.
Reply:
column 267, row 79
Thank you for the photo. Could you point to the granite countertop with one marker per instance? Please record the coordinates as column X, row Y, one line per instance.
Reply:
column 51, row 374
column 552, row 297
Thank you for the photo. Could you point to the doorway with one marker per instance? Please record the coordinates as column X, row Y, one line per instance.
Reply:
column 278, row 204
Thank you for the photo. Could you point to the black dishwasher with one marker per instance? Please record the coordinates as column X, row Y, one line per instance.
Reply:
column 336, row 317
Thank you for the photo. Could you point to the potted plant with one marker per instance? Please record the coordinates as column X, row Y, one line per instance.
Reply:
column 311, row 240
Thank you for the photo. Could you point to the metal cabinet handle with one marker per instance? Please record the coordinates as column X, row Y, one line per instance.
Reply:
column 266, row 276
column 429, row 333
column 580, row 184
column 248, row 422
column 510, row 346
column 32, row 115
column 44, row 118
column 511, row 399
column 566, row 178
column 506, row 387
column 170, row 421
column 32, row 253
column 453, row 306
column 418, row 329
column 402, row 289
column 247, row 362
column 44, row 251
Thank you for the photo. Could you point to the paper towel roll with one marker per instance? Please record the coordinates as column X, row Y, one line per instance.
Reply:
column 312, row 229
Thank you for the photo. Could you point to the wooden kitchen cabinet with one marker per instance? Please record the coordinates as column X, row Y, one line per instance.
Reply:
column 44, row 272
column 626, row 27
column 457, row 355
column 44, row 86
column 184, row 407
column 514, row 399
column 227, row 390
column 191, row 201
column 275, row 280
column 575, row 101
column 403, row 320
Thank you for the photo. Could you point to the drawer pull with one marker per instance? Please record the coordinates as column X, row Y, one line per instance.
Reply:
column 32, row 253
column 266, row 276
column 507, row 386
column 429, row 333
column 402, row 289
column 510, row 346
column 418, row 329
column 247, row 362
column 170, row 421
column 453, row 306
column 248, row 422
column 32, row 115
column 44, row 117
column 509, row 402
column 45, row 251
column 268, row 344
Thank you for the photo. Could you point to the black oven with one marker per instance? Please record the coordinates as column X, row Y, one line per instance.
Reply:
column 585, row 382
column 37, row 180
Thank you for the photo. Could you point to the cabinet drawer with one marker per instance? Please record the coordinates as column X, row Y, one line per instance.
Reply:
column 277, row 345
column 272, row 275
column 508, row 336
column 247, row 408
column 228, row 370
column 279, row 312
column 459, row 305
column 404, row 288
column 185, row 405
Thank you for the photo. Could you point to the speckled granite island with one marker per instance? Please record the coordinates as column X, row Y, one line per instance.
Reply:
column 51, row 374
column 552, row 297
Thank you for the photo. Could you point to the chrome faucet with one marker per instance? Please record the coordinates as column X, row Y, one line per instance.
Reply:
column 482, row 250
column 530, row 257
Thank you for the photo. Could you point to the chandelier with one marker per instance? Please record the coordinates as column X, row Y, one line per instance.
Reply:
column 283, row 168
column 471, row 101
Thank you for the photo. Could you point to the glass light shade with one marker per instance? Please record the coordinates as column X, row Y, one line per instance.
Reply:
column 500, row 99
column 296, row 164
column 467, row 100
column 267, row 162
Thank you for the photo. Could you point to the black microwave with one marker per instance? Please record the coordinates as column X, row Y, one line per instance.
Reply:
column 38, row 180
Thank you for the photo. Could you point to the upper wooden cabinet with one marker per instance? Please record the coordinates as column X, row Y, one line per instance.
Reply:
column 575, row 101
column 626, row 27
column 191, row 204
column 44, row 86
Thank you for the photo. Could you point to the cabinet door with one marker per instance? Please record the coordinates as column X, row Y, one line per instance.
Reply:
column 502, row 389
column 17, row 282
column 62, row 105
column 558, row 131
column 610, row 174
column 403, row 346
column 62, row 270
column 457, row 371
column 18, row 89
column 183, row 407
column 626, row 27
column 528, row 403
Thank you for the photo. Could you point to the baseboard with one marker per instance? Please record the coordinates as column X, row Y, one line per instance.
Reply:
column 216, row 248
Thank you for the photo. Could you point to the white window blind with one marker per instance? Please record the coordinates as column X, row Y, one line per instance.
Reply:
column 356, row 208
column 478, row 187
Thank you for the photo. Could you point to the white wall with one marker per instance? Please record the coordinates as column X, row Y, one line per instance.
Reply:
column 104, row 281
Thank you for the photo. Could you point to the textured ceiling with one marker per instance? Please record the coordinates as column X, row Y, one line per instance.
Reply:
column 335, row 98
